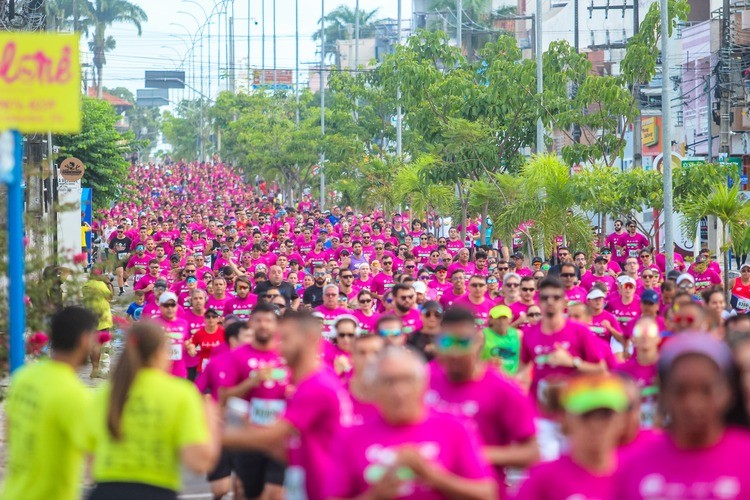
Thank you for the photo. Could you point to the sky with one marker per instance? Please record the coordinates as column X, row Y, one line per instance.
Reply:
column 164, row 43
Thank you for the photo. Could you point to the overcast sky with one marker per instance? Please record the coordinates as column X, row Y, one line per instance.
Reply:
column 161, row 48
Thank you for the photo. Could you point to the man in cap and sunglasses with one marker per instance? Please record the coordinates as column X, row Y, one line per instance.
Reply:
column 462, row 384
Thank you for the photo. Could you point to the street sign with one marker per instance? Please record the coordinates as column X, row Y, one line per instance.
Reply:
column 743, row 179
column 40, row 82
column 152, row 98
column 72, row 169
column 165, row 79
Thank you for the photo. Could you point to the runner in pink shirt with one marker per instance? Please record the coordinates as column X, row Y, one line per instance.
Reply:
column 243, row 304
column 404, row 299
column 476, row 301
column 599, row 274
column 330, row 309
column 462, row 263
column 458, row 281
column 573, row 293
column 464, row 386
column 642, row 369
column 594, row 419
column 625, row 307
column 314, row 413
column 407, row 450
column 698, row 455
column 365, row 314
column 603, row 323
column 178, row 332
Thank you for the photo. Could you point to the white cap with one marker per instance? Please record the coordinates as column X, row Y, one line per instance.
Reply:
column 625, row 279
column 318, row 314
column 419, row 287
column 745, row 264
column 166, row 297
column 595, row 293
column 685, row 276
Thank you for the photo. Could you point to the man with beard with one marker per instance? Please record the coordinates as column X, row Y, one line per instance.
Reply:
column 462, row 384
column 244, row 302
column 314, row 413
column 313, row 296
column 261, row 380
column 404, row 297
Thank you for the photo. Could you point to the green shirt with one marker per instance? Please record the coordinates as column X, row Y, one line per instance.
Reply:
column 162, row 415
column 505, row 348
column 46, row 407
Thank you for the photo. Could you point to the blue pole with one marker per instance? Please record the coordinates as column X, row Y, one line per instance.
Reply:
column 17, row 286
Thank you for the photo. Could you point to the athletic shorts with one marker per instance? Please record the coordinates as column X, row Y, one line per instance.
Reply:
column 223, row 467
column 255, row 469
column 130, row 491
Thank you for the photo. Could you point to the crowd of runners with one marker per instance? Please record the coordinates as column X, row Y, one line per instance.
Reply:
column 289, row 352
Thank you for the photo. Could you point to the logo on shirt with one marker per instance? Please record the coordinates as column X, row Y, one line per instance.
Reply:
column 657, row 486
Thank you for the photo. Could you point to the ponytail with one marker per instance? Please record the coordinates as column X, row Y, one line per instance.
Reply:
column 142, row 341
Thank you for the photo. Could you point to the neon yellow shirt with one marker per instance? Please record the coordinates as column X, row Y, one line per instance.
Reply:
column 96, row 296
column 46, row 407
column 162, row 415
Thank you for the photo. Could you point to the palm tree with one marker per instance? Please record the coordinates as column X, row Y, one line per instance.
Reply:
column 339, row 25
column 410, row 188
column 544, row 193
column 98, row 16
column 725, row 204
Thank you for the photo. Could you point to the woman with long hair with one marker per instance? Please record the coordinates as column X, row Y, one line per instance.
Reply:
column 146, row 423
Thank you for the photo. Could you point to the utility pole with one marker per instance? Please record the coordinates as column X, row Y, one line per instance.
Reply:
column 356, row 35
column 638, row 121
column 263, row 44
column 322, row 103
column 275, row 70
column 249, row 70
column 666, row 139
column 296, row 57
column 459, row 22
column 399, row 124
column 709, row 119
column 539, row 74
column 725, row 80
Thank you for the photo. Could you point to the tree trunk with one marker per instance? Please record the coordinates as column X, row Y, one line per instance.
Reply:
column 462, row 199
column 483, row 237
column 726, row 259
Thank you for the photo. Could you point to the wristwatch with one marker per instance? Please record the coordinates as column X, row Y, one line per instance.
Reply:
column 577, row 362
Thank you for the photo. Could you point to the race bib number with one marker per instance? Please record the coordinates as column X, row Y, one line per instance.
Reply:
column 294, row 483
column 137, row 278
column 175, row 352
column 743, row 304
column 633, row 253
column 648, row 414
column 266, row 411
column 122, row 255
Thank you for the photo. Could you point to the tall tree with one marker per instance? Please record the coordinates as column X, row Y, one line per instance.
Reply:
column 100, row 15
column 102, row 149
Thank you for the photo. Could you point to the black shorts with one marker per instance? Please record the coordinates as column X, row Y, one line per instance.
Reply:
column 223, row 467
column 129, row 491
column 255, row 469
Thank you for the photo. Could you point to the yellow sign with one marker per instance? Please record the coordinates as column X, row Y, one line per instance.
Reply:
column 649, row 132
column 40, row 82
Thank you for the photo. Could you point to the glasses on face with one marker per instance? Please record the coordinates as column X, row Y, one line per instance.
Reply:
column 512, row 285
column 169, row 305
column 154, row 267
column 240, row 288
column 190, row 271
column 448, row 342
column 348, row 335
column 568, row 275
column 502, row 268
column 563, row 255
column 554, row 297
column 271, row 296
column 433, row 314
column 410, row 267
column 628, row 286
column 378, row 248
column 319, row 275
column 405, row 297
column 347, row 276
column 528, row 289
column 534, row 315
column 745, row 270
column 422, row 239
column 424, row 278
column 685, row 286
column 212, row 316
column 387, row 262
column 365, row 301
column 684, row 320
column 331, row 295
column 393, row 332
column 478, row 285
column 647, row 276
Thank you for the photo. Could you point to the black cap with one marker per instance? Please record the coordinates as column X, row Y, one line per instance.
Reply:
column 432, row 305
column 440, row 268
column 599, row 259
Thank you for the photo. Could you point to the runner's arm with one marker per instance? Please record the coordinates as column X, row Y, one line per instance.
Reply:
column 270, row 439
column 520, row 454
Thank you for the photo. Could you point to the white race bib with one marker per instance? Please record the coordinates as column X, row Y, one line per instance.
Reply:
column 743, row 304
column 266, row 411
column 137, row 278
column 633, row 253
column 175, row 352
column 294, row 483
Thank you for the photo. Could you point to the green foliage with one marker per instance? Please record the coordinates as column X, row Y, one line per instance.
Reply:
column 182, row 129
column 339, row 25
column 420, row 196
column 144, row 122
column 102, row 149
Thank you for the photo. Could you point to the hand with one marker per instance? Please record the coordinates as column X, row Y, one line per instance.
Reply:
column 190, row 347
column 388, row 487
column 409, row 456
column 560, row 357
column 522, row 320
column 149, row 288
column 606, row 324
column 341, row 365
column 264, row 374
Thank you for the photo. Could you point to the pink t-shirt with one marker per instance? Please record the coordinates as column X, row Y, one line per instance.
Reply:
column 599, row 330
column 659, row 469
column 645, row 377
column 449, row 297
column 218, row 304
column 588, row 280
column 366, row 323
column 576, row 294
column 626, row 314
column 364, row 453
column 219, row 372
column 565, row 479
column 177, row 331
column 318, row 409
column 329, row 316
column 411, row 321
column 536, row 346
column 241, row 307
column 481, row 311
column 484, row 404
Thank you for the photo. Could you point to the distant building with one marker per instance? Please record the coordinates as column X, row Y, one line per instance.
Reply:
column 120, row 105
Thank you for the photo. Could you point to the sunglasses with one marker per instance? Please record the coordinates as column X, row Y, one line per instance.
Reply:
column 169, row 305
column 448, row 342
column 433, row 314
column 686, row 320
column 512, row 285
column 527, row 289
column 502, row 268
column 628, row 286
column 568, row 275
column 390, row 332
column 319, row 275
column 346, row 335
column 212, row 316
column 478, row 285
column 243, row 288
column 365, row 301
column 685, row 286
column 534, row 315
